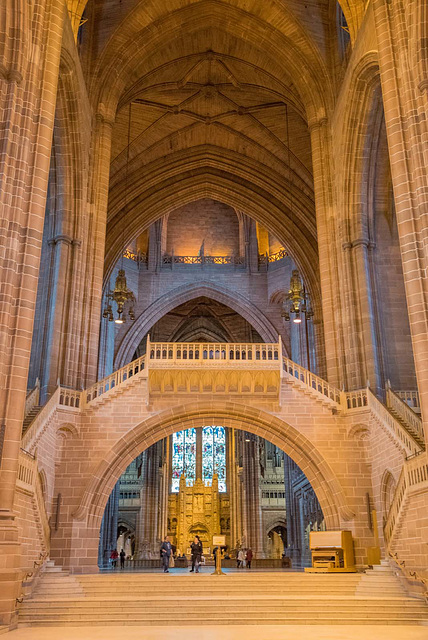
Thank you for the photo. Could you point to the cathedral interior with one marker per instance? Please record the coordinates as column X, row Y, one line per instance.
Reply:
column 213, row 316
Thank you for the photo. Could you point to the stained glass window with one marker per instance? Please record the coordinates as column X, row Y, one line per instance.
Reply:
column 214, row 456
column 183, row 458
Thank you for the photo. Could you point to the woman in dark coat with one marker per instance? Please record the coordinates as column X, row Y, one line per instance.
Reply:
column 196, row 548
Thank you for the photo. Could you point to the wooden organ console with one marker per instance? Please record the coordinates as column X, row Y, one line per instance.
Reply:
column 332, row 551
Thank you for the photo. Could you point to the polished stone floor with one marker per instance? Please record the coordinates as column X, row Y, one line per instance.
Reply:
column 255, row 632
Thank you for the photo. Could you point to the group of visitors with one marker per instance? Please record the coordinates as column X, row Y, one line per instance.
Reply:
column 167, row 550
column 114, row 557
column 167, row 553
column 244, row 558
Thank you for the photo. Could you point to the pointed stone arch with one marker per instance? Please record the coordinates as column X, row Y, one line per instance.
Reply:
column 183, row 294
column 318, row 471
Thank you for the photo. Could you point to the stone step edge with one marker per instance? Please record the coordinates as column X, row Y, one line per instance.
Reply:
column 358, row 598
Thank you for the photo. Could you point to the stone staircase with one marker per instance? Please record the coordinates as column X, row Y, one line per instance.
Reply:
column 31, row 415
column 117, row 599
column 409, row 428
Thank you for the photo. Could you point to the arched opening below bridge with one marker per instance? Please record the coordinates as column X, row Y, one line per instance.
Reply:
column 88, row 516
column 206, row 482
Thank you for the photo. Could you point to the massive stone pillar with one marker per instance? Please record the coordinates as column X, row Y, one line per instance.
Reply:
column 94, row 250
column 148, row 525
column 233, row 488
column 403, row 61
column 252, row 497
column 30, row 46
column 292, row 549
column 164, row 486
column 364, row 365
column 108, row 531
column 327, row 232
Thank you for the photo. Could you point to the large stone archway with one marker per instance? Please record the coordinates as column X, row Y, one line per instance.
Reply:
column 112, row 463
column 183, row 294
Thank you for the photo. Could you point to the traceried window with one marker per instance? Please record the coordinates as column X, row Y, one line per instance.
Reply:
column 183, row 458
column 213, row 457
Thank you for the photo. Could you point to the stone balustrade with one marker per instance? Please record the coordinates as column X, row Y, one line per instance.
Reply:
column 396, row 402
column 311, row 380
column 115, row 379
column 32, row 399
column 29, row 481
column 411, row 398
column 69, row 398
column 215, row 355
column 414, row 476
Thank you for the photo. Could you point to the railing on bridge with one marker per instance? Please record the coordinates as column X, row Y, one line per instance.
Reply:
column 228, row 354
column 186, row 354
column 115, row 379
column 311, row 380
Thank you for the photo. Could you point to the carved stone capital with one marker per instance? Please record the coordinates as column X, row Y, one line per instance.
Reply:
column 60, row 238
column 318, row 124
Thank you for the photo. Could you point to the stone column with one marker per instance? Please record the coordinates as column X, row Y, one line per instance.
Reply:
column 54, row 363
column 251, row 476
column 327, row 232
column 108, row 532
column 403, row 58
column 165, row 480
column 93, row 254
column 232, row 486
column 155, row 246
column 150, row 498
column 29, row 55
column 289, row 508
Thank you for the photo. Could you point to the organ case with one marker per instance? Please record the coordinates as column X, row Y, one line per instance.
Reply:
column 332, row 551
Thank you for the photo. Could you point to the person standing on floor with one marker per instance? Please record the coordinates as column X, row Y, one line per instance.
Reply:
column 196, row 548
column 166, row 550
column 122, row 555
column 114, row 556
column 241, row 558
column 249, row 557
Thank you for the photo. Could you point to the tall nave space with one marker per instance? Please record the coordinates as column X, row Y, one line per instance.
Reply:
column 213, row 319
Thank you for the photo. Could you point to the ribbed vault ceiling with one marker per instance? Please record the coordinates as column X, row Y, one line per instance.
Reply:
column 221, row 94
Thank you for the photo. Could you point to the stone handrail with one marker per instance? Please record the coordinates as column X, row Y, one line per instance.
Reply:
column 395, row 428
column 29, row 480
column 311, row 380
column 414, row 475
column 69, row 398
column 32, row 399
column 411, row 398
column 393, row 401
column 355, row 399
column 409, row 575
column 40, row 422
column 364, row 398
column 115, row 379
column 213, row 354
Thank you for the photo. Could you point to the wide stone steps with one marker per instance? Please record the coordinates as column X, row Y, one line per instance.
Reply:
column 258, row 598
